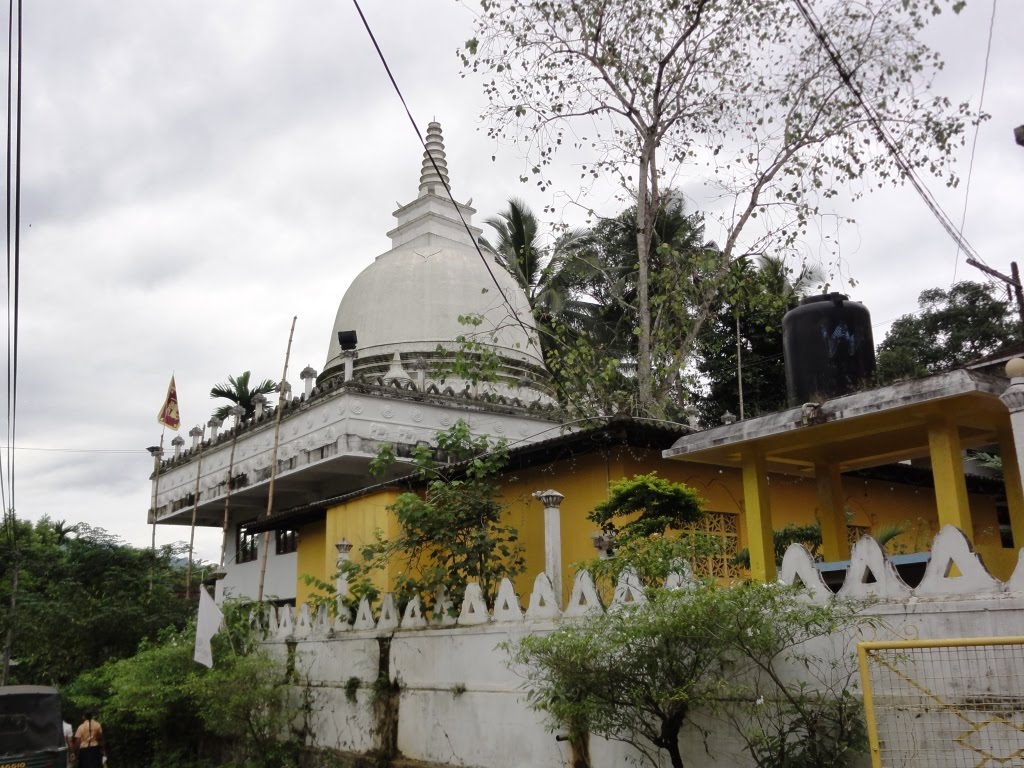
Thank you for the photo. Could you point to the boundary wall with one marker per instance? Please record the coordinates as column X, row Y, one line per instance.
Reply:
column 454, row 701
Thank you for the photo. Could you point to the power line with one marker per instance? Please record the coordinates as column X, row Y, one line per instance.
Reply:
column 905, row 168
column 74, row 450
column 13, row 255
column 977, row 130
column 437, row 170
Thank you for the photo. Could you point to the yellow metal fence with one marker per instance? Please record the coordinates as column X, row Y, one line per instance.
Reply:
column 956, row 703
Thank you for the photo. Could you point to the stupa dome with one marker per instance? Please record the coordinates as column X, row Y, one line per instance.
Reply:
column 410, row 300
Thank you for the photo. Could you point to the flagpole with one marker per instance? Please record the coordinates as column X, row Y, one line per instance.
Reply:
column 195, row 510
column 273, row 458
column 167, row 417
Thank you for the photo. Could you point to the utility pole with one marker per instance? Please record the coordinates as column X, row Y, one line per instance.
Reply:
column 1012, row 280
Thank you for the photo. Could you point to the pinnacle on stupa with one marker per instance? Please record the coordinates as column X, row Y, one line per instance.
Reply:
column 430, row 177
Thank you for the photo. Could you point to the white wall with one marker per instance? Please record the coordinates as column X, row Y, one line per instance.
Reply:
column 461, row 705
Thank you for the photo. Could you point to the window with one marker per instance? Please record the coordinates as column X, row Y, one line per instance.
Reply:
column 245, row 543
column 286, row 541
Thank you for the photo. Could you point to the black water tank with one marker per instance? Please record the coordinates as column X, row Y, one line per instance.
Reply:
column 828, row 348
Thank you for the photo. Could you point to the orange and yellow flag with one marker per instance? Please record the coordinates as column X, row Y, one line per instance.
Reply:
column 168, row 415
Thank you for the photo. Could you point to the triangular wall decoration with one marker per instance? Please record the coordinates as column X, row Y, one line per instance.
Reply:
column 871, row 574
column 474, row 607
column 506, row 604
column 798, row 570
column 584, row 598
column 364, row 616
column 388, row 613
column 543, row 604
column 414, row 618
column 951, row 550
column 628, row 590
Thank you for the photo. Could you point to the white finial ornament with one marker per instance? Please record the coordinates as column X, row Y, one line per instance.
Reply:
column 434, row 174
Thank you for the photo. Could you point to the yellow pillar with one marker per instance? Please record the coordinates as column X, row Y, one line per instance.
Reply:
column 948, row 476
column 758, row 514
column 835, row 545
column 1013, row 484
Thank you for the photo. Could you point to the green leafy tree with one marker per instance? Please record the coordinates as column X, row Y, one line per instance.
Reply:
column 452, row 533
column 84, row 597
column 159, row 707
column 950, row 329
column 546, row 274
column 643, row 517
column 239, row 392
column 651, row 504
column 595, row 363
column 638, row 674
column 738, row 95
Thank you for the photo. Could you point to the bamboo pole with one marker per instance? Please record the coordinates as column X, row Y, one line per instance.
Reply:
column 195, row 511
column 237, row 412
column 157, row 457
column 273, row 461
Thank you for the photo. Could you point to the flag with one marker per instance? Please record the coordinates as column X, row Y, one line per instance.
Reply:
column 168, row 415
column 208, row 624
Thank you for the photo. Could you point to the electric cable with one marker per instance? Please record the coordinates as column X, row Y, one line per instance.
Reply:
column 17, row 267
column 901, row 163
column 437, row 170
column 977, row 130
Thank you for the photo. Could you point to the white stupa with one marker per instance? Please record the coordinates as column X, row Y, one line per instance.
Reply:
column 406, row 306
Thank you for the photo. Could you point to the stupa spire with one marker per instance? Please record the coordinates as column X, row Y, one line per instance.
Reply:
column 431, row 178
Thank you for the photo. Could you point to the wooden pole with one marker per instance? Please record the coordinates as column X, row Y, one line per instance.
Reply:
column 195, row 511
column 237, row 411
column 273, row 462
column 1018, row 293
column 157, row 457
column 739, row 364
column 1013, row 281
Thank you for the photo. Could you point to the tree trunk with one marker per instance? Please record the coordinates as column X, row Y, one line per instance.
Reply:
column 644, row 230
column 672, row 745
column 9, row 640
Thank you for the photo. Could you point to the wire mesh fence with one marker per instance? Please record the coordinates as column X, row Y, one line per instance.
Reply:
column 955, row 703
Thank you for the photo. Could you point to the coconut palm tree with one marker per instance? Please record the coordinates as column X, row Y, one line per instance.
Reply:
column 237, row 390
column 544, row 273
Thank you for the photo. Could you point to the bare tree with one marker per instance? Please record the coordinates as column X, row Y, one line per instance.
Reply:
column 741, row 96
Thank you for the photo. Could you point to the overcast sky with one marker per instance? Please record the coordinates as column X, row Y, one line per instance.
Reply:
column 195, row 173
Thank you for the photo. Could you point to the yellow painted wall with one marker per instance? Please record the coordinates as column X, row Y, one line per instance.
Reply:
column 355, row 520
column 312, row 540
column 584, row 482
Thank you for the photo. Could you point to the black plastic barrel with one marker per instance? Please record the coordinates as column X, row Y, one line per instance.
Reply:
column 828, row 348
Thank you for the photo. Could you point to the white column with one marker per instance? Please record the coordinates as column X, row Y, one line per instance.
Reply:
column 177, row 442
column 308, row 376
column 349, row 356
column 196, row 433
column 344, row 547
column 552, row 501
column 260, row 401
column 214, row 424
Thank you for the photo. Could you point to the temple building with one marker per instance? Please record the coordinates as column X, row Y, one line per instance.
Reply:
column 855, row 461
column 387, row 379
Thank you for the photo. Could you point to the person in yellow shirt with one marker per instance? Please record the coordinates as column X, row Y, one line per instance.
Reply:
column 89, row 740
